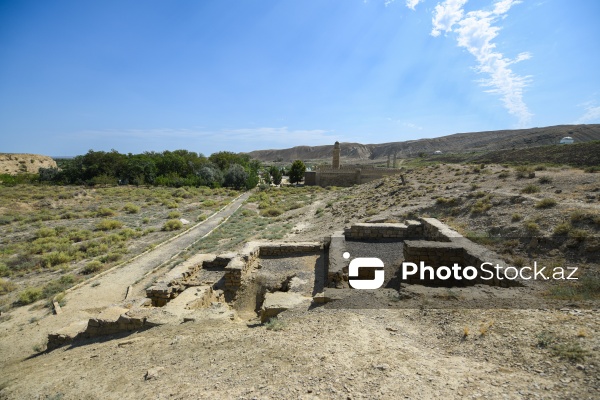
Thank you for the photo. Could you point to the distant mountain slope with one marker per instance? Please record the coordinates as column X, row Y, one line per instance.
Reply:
column 457, row 143
column 580, row 154
column 14, row 164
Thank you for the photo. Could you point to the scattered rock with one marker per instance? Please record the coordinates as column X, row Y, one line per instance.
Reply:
column 381, row 367
column 153, row 373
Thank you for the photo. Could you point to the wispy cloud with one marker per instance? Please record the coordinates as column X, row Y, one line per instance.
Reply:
column 405, row 124
column 592, row 113
column 413, row 3
column 409, row 3
column 446, row 15
column 476, row 31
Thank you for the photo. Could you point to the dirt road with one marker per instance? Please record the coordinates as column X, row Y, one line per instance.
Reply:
column 87, row 300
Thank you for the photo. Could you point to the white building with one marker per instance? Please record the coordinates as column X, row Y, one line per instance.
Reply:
column 567, row 140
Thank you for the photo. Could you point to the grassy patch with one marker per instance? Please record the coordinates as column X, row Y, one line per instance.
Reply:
column 131, row 208
column 529, row 189
column 585, row 288
column 172, row 225
column 571, row 351
column 108, row 225
column 6, row 286
column 271, row 212
column 545, row 203
column 275, row 324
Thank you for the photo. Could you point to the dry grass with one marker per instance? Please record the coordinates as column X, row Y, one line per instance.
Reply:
column 54, row 230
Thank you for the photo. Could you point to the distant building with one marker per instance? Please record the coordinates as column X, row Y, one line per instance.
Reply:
column 437, row 152
column 344, row 175
column 567, row 140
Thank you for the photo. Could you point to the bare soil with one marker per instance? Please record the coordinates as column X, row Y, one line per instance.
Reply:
column 324, row 352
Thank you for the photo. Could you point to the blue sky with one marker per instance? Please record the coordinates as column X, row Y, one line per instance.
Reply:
column 244, row 75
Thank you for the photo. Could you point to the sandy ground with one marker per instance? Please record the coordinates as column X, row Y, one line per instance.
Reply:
column 328, row 353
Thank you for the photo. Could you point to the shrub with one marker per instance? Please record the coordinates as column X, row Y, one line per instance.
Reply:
column 578, row 234
column 545, row 203
column 4, row 271
column 110, row 257
column 172, row 225
column 91, row 267
column 581, row 216
column 562, row 229
column 516, row 217
column 108, row 225
column 271, row 212
column 592, row 170
column 56, row 258
column 6, row 286
column 275, row 324
column 545, row 180
column 481, row 206
column 503, row 175
column 174, row 215
column 531, row 227
column 524, row 172
column 171, row 204
column 58, row 285
column 571, row 351
column 6, row 219
column 294, row 206
column 530, row 189
column 106, row 212
column 79, row 235
column 30, row 295
column 45, row 232
column 130, row 208
column 446, row 201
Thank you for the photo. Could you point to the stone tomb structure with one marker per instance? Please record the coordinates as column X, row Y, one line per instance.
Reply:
column 345, row 175
column 264, row 279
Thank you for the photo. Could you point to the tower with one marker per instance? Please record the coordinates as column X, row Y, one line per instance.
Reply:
column 336, row 156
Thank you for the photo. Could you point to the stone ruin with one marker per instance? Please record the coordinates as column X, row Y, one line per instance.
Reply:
column 264, row 279
column 345, row 175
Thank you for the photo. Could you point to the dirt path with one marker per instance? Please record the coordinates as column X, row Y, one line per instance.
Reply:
column 89, row 299
column 114, row 285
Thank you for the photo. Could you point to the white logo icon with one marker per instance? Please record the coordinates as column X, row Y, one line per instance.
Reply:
column 366, row 262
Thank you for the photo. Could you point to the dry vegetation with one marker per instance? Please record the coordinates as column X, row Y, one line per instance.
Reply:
column 545, row 213
column 55, row 236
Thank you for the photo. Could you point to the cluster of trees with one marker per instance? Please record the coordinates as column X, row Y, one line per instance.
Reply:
column 169, row 168
column 275, row 175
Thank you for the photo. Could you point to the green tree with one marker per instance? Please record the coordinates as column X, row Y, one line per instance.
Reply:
column 210, row 175
column 236, row 177
column 297, row 171
column 276, row 175
column 266, row 175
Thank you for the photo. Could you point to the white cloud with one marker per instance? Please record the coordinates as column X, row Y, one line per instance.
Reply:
column 412, row 3
column 475, row 33
column 412, row 126
column 447, row 14
column 592, row 113
column 502, row 6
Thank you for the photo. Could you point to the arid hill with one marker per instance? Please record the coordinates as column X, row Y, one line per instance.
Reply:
column 14, row 164
column 457, row 143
